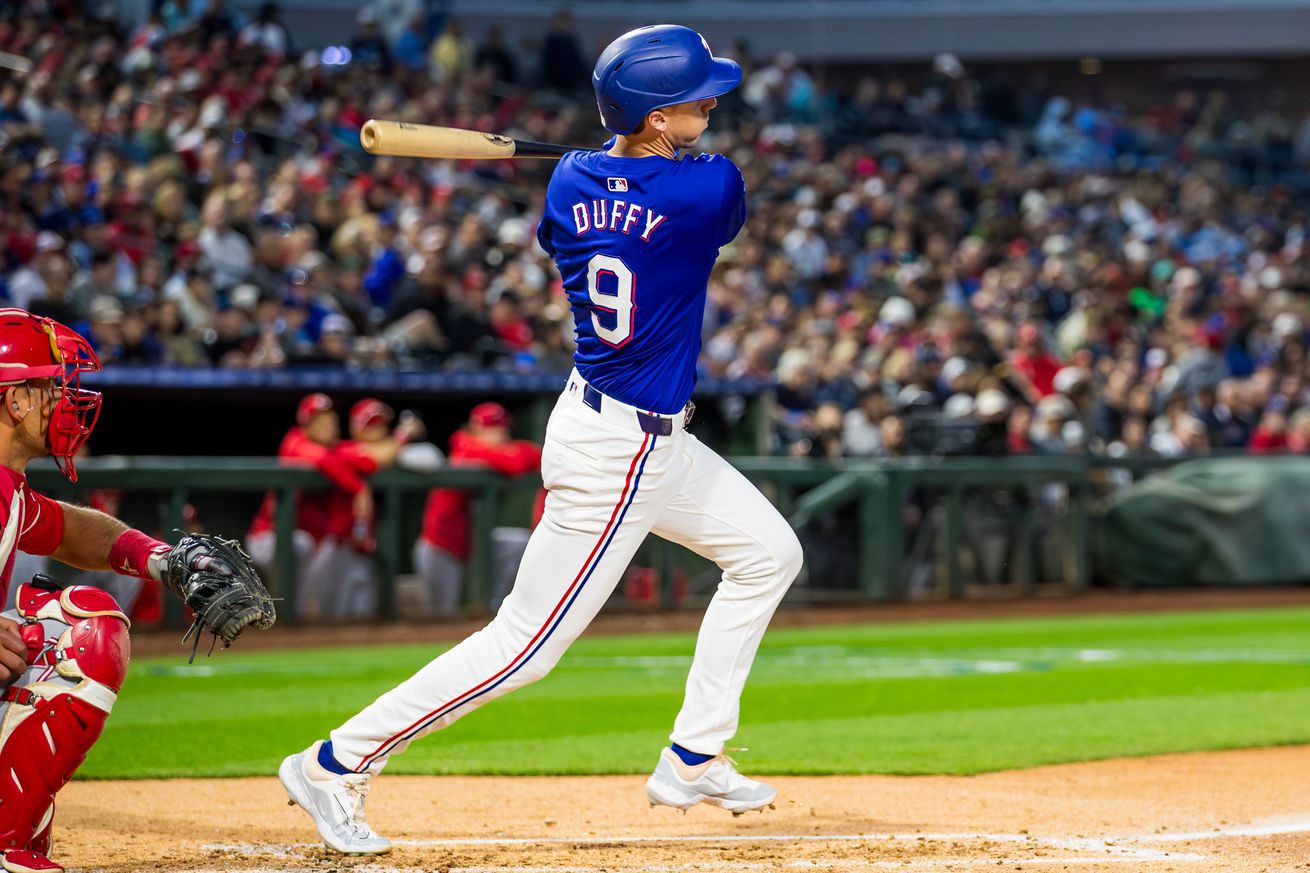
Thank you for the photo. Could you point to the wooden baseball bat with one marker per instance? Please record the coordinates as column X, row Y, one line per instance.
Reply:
column 406, row 140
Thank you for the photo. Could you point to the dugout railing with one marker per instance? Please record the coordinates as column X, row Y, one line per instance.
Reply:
column 874, row 530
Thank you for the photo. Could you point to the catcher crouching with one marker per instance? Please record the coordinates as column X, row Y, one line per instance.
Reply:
column 64, row 652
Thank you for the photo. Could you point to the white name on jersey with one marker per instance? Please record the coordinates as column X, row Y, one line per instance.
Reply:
column 616, row 215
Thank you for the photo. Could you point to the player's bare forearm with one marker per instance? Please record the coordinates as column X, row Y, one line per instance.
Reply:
column 383, row 452
column 89, row 535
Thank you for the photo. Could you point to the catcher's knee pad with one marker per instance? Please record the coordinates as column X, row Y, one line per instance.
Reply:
column 77, row 654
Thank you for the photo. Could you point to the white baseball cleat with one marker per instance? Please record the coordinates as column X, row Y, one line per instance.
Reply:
column 715, row 782
column 334, row 801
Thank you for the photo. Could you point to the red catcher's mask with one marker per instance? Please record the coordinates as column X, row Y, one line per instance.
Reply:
column 33, row 347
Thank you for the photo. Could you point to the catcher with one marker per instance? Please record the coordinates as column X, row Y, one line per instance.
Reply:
column 64, row 652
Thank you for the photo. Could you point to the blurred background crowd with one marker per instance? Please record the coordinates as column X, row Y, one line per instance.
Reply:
column 944, row 263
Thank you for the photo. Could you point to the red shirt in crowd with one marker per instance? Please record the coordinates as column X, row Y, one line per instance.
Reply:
column 445, row 519
column 1039, row 368
column 31, row 522
column 317, row 512
column 1267, row 442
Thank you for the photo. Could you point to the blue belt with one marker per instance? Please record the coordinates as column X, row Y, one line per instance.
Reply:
column 659, row 425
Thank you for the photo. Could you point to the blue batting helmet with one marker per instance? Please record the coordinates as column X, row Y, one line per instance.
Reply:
column 657, row 66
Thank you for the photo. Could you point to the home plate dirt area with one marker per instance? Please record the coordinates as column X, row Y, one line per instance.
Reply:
column 1245, row 810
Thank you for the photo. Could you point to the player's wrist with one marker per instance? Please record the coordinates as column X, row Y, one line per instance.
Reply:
column 137, row 554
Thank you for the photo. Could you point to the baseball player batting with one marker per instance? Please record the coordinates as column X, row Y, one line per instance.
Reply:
column 635, row 231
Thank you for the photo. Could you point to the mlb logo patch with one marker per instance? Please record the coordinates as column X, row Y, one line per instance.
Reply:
column 617, row 184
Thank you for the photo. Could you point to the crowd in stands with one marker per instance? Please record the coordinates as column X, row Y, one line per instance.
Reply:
column 961, row 265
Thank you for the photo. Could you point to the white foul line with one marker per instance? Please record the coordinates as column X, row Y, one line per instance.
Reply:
column 1273, row 828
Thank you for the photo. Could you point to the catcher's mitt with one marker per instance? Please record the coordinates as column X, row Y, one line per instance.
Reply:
column 218, row 581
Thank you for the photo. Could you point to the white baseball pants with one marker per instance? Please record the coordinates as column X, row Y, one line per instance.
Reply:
column 610, row 483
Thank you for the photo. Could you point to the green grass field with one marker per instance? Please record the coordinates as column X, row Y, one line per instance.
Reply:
column 946, row 697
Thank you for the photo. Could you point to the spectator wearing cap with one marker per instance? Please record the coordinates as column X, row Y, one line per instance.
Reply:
column 335, row 342
column 106, row 328
column 1052, row 413
column 92, row 240
column 443, row 548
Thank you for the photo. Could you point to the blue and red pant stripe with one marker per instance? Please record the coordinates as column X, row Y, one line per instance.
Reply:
column 630, row 485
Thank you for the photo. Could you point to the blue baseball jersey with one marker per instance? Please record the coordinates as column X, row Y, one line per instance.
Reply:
column 635, row 240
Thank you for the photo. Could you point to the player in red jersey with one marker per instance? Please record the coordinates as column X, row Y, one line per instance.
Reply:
column 442, row 550
column 315, row 441
column 373, row 445
column 63, row 652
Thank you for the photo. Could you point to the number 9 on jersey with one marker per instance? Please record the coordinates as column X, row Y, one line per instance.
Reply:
column 619, row 302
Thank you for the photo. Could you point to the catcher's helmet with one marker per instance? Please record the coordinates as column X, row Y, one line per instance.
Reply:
column 657, row 66
column 34, row 347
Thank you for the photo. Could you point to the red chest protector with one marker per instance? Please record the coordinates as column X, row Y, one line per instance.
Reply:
column 77, row 652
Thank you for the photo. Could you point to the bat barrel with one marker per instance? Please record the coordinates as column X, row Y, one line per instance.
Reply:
column 410, row 140
column 369, row 137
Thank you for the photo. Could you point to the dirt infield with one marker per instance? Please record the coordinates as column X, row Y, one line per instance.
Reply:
column 1240, row 811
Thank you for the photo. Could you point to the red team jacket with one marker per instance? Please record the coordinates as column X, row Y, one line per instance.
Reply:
column 319, row 513
column 445, row 519
column 31, row 522
column 348, row 459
